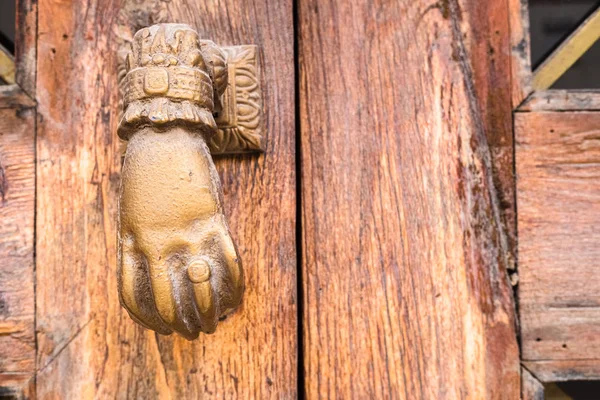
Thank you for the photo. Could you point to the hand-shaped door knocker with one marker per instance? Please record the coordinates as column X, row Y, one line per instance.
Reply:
column 179, row 269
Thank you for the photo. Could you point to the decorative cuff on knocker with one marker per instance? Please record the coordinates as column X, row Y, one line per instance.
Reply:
column 172, row 77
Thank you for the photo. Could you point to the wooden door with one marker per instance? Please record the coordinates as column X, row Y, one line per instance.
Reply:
column 377, row 230
column 404, row 109
column 85, row 345
column 558, row 187
column 85, row 341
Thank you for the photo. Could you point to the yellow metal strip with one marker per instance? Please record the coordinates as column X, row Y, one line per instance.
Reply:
column 7, row 66
column 568, row 52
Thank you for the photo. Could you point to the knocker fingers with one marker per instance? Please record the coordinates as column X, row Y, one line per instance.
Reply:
column 215, row 274
column 170, row 296
column 233, row 265
column 199, row 274
column 135, row 292
column 182, row 292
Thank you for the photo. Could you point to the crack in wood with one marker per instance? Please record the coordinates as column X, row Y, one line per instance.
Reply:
column 73, row 337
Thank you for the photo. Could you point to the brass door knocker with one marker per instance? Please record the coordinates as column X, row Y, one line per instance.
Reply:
column 179, row 269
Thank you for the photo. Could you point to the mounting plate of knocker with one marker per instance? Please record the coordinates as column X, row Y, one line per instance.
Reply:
column 239, row 121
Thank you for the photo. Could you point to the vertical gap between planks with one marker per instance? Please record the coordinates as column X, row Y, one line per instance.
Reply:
column 35, row 187
column 35, row 204
column 516, row 232
column 301, row 391
column 515, row 75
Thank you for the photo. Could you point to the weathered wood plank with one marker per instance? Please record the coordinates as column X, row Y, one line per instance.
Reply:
column 531, row 387
column 19, row 386
column 26, row 45
column 17, row 199
column 558, row 168
column 565, row 370
column 88, row 346
column 562, row 100
column 12, row 96
column 520, row 51
column 403, row 255
column 486, row 32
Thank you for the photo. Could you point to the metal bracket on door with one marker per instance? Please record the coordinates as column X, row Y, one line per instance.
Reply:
column 239, row 120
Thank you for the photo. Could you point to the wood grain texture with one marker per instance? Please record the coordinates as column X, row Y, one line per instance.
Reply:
column 486, row 33
column 520, row 51
column 564, row 370
column 562, row 100
column 12, row 96
column 17, row 199
column 531, row 387
column 19, row 386
column 558, row 167
column 403, row 253
column 26, row 45
column 88, row 346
